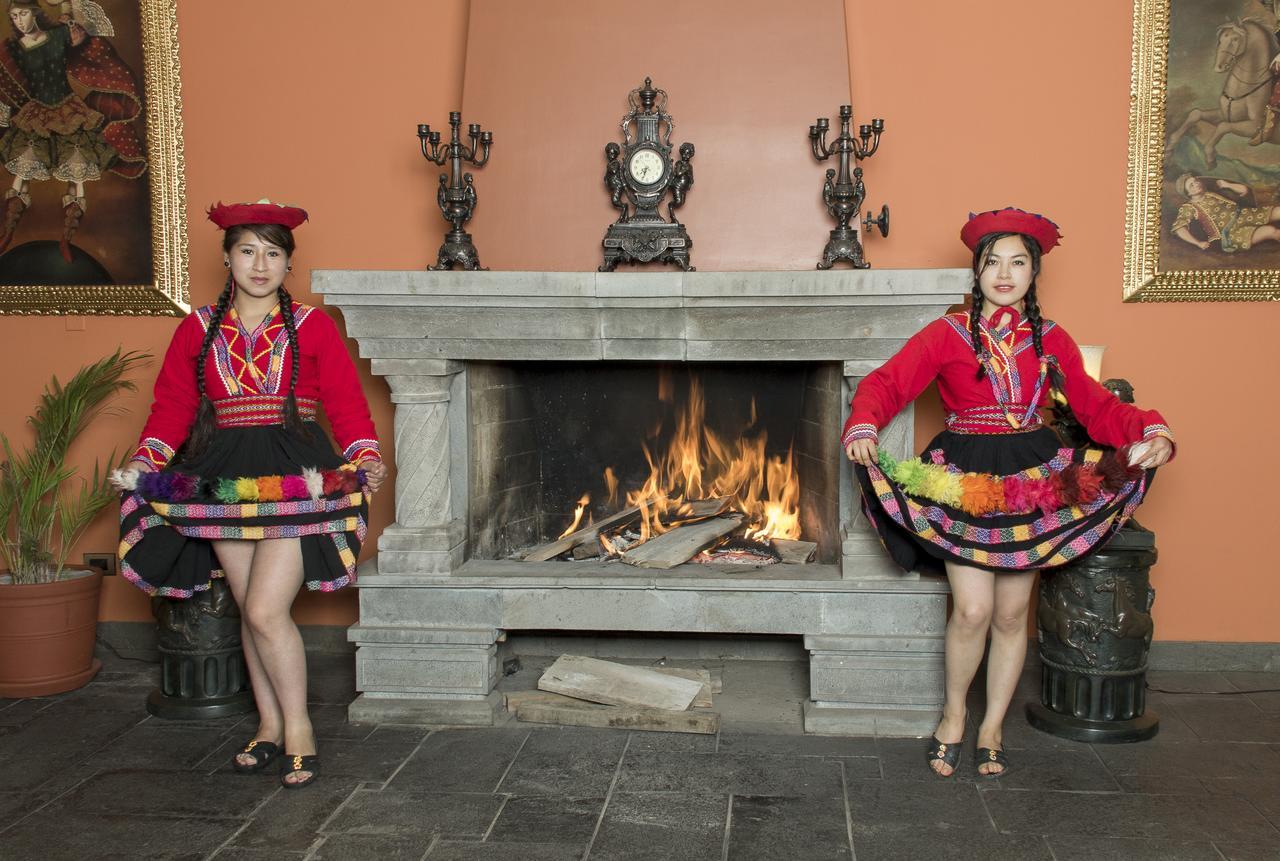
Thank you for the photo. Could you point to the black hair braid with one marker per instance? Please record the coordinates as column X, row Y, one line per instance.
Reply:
column 292, row 420
column 206, row 421
column 975, row 331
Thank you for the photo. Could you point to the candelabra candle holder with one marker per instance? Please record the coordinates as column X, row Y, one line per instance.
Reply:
column 457, row 192
column 843, row 191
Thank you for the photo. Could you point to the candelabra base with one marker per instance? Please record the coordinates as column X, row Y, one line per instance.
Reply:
column 843, row 245
column 457, row 249
column 646, row 242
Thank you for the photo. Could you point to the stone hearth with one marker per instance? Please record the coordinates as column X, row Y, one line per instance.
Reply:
column 431, row 615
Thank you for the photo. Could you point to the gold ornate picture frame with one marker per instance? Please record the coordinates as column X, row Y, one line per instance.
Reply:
column 100, row 227
column 1204, row 153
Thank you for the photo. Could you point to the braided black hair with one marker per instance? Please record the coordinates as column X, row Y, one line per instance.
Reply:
column 206, row 422
column 292, row 421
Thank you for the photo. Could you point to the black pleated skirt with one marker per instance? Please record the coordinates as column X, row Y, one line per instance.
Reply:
column 251, row 483
column 922, row 534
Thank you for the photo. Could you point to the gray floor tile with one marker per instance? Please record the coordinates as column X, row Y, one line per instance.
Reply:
column 19, row 712
column 171, row 793
column 1184, row 681
column 556, row 762
column 363, row 847
column 903, row 759
column 364, row 760
column 934, row 805
column 47, row 749
column 1184, row 818
column 901, row 843
column 563, row 819
column 1189, row 759
column 331, row 690
column 292, row 820
column 392, row 812
column 1077, row 848
column 1228, row 718
column 686, row 742
column 492, row 850
column 1267, row 683
column 1073, row 770
column 72, row 833
column 720, row 773
column 795, row 745
column 770, row 827
column 155, row 747
column 1151, row 784
column 657, row 827
column 239, row 853
column 461, row 760
column 1263, row 791
column 1249, row 852
column 330, row 721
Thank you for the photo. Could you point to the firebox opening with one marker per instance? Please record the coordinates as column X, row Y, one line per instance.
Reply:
column 664, row 445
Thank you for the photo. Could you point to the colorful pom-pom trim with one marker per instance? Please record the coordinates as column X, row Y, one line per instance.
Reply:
column 168, row 486
column 980, row 494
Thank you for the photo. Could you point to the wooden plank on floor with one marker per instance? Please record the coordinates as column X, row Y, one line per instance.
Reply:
column 795, row 552
column 680, row 545
column 703, row 677
column 617, row 684
column 543, row 707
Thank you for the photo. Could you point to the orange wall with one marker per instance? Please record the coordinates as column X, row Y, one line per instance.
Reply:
column 1051, row 135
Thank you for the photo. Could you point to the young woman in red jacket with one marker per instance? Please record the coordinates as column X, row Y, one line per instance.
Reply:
column 233, row 477
column 996, row 496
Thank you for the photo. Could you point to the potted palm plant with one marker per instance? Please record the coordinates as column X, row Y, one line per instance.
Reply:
column 49, row 613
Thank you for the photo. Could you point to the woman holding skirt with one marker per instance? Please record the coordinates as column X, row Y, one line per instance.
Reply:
column 233, row 476
column 996, row 496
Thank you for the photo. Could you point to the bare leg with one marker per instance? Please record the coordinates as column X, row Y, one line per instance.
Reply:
column 972, row 595
column 1004, row 663
column 274, row 581
column 236, row 558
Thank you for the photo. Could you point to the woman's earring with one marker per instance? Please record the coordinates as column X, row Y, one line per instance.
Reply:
column 226, row 263
column 289, row 269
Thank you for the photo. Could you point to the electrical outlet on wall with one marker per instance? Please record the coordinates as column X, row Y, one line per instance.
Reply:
column 104, row 562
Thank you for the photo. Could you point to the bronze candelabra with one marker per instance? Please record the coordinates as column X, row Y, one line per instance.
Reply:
column 457, row 192
column 843, row 191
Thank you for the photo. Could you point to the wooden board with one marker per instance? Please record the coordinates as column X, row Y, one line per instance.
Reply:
column 617, row 684
column 552, row 549
column 542, row 707
column 795, row 552
column 703, row 677
column 680, row 545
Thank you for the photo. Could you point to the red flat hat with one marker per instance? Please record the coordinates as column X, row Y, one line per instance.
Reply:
column 262, row 212
column 1010, row 220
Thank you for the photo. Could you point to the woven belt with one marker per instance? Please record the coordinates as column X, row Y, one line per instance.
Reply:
column 990, row 420
column 259, row 410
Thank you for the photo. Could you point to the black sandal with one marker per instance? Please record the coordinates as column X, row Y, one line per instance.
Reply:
column 995, row 757
column 294, row 764
column 263, row 753
column 944, row 752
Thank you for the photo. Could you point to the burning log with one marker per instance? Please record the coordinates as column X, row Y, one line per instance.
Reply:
column 680, row 545
column 585, row 535
column 795, row 552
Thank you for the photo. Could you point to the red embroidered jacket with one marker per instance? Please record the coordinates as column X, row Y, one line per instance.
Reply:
column 246, row 375
column 943, row 350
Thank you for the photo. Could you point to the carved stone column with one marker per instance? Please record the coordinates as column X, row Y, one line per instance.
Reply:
column 428, row 536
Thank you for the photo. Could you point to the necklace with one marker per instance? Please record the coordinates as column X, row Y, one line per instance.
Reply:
column 1017, row 422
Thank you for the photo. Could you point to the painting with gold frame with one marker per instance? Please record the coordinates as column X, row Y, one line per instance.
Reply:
column 1203, row 219
column 93, row 213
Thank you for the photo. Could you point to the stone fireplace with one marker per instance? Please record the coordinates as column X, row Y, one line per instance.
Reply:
column 514, row 390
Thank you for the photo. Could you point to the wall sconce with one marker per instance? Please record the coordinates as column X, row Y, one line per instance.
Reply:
column 1092, row 356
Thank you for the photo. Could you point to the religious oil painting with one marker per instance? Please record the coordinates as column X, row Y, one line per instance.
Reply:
column 1204, row 152
column 92, row 216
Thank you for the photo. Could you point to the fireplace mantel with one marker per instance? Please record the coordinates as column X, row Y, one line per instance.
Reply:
column 430, row 616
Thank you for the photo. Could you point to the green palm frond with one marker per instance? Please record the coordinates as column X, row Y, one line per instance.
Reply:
column 39, row 524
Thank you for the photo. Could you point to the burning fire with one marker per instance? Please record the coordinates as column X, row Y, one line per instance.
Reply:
column 701, row 464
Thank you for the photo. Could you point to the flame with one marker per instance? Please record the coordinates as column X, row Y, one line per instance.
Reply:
column 700, row 464
column 577, row 515
column 611, row 485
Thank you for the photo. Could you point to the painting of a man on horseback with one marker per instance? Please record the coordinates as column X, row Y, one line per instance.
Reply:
column 1223, row 117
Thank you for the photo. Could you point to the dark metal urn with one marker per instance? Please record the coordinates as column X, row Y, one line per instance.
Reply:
column 202, row 668
column 1094, row 627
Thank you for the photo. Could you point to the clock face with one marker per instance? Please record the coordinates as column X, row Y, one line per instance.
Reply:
column 646, row 166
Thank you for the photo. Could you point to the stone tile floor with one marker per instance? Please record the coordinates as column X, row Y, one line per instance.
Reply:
column 90, row 775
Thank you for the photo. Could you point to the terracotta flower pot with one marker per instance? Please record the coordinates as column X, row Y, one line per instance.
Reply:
column 47, row 632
